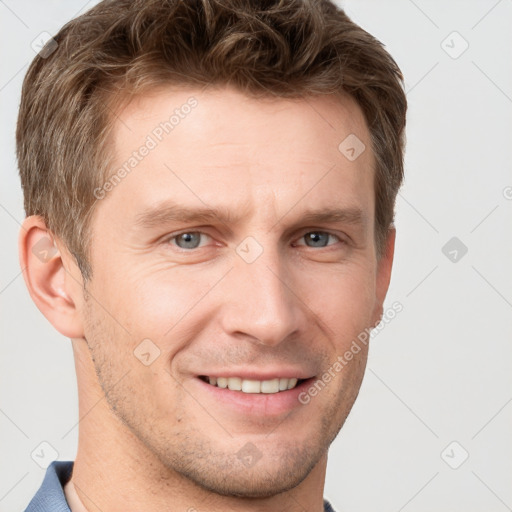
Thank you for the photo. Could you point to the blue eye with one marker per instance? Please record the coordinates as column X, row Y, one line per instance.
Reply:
column 318, row 238
column 188, row 240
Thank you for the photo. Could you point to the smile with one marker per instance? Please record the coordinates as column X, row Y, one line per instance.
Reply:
column 252, row 386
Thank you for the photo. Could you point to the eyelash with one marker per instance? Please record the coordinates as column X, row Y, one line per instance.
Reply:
column 169, row 239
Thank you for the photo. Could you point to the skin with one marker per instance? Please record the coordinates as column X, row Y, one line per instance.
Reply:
column 151, row 437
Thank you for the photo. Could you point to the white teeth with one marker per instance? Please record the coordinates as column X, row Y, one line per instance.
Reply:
column 235, row 383
column 253, row 386
column 270, row 386
column 292, row 383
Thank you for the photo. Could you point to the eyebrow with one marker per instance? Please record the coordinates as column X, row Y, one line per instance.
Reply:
column 166, row 213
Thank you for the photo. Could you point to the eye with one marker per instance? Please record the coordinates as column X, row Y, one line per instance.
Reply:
column 187, row 239
column 318, row 238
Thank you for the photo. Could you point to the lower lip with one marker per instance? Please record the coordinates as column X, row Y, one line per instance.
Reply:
column 262, row 404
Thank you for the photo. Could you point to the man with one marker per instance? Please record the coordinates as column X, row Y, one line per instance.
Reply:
column 209, row 188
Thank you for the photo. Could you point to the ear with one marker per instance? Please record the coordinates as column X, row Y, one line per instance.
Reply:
column 384, row 265
column 52, row 277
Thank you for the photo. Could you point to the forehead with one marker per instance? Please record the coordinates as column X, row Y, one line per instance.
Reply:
column 219, row 146
column 216, row 114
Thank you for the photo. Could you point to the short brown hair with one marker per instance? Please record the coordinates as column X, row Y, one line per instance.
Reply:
column 283, row 48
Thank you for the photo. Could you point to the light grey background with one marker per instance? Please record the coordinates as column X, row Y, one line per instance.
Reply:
column 439, row 372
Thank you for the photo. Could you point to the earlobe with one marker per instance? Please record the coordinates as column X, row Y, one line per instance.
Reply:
column 47, row 279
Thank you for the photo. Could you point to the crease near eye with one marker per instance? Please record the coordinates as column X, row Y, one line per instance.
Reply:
column 189, row 240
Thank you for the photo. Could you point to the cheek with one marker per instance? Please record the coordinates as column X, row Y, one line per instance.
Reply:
column 343, row 299
column 151, row 302
column 132, row 387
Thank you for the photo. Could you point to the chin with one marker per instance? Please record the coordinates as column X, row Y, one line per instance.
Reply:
column 280, row 465
column 260, row 481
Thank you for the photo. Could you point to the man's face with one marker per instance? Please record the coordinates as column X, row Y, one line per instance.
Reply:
column 258, row 291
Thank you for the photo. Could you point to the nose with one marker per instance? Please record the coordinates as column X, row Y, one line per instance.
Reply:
column 260, row 301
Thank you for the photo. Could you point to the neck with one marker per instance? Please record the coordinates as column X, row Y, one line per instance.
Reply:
column 114, row 470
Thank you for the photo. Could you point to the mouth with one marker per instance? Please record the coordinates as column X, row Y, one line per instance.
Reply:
column 250, row 386
column 272, row 396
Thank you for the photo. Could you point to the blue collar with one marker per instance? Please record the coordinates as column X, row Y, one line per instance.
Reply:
column 50, row 496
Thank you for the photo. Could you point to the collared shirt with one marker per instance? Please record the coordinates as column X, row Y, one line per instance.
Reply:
column 51, row 497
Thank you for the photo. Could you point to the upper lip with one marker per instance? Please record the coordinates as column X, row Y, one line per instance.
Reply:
column 267, row 374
